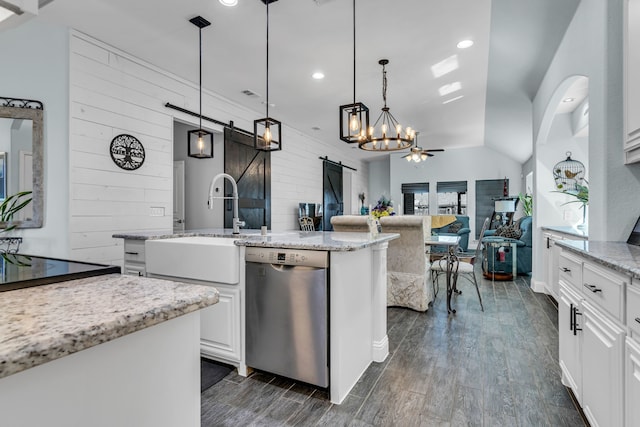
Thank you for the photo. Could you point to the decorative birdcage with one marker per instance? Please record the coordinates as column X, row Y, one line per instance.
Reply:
column 568, row 173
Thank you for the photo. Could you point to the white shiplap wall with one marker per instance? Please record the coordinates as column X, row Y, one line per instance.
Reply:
column 111, row 93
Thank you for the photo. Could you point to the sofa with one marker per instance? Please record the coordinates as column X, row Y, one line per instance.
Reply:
column 524, row 243
column 407, row 263
column 451, row 225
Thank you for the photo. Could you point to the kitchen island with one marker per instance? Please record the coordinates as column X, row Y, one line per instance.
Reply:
column 357, row 296
column 102, row 351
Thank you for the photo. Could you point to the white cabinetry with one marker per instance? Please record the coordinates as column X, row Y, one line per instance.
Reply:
column 632, row 356
column 632, row 383
column 591, row 322
column 602, row 365
column 134, row 257
column 550, row 260
column 220, row 326
column 632, row 81
column 569, row 321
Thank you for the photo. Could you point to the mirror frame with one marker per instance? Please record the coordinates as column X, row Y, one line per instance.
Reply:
column 13, row 108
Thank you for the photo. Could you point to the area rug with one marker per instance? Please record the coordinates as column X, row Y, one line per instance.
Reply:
column 211, row 372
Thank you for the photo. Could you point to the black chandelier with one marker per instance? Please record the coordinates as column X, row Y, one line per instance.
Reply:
column 354, row 117
column 389, row 136
column 267, row 132
column 200, row 141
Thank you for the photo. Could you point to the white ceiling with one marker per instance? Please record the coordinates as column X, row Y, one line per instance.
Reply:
column 514, row 42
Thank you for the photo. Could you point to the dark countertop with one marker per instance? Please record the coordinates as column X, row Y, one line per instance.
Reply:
column 19, row 271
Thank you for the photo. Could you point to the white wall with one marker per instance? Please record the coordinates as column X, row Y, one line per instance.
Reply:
column 36, row 66
column 198, row 174
column 592, row 47
column 461, row 164
column 93, row 92
column 553, row 210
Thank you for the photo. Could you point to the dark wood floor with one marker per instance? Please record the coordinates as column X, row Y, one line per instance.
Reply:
column 491, row 368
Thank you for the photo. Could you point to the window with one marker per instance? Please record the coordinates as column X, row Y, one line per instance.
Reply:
column 415, row 197
column 452, row 198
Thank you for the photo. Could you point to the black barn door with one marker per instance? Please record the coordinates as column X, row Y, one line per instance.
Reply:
column 332, row 193
column 252, row 171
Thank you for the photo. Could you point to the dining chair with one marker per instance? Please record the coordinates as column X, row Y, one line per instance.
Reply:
column 461, row 268
column 306, row 223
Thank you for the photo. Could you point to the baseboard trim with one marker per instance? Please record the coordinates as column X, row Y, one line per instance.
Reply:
column 539, row 286
column 381, row 349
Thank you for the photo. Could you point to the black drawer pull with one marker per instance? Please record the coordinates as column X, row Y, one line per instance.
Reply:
column 593, row 288
column 566, row 270
column 132, row 253
column 638, row 319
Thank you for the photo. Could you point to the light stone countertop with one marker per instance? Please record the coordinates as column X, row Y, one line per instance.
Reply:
column 313, row 240
column 44, row 323
column 567, row 230
column 618, row 256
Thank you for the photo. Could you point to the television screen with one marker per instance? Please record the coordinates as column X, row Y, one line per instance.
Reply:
column 634, row 237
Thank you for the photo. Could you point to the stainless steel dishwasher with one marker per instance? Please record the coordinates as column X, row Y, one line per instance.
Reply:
column 287, row 313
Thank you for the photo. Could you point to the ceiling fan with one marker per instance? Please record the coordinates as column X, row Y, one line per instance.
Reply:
column 418, row 154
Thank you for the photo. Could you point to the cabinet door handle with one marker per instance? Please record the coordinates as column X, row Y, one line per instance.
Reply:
column 576, row 313
column 566, row 270
column 638, row 319
column 132, row 253
column 571, row 317
column 592, row 288
column 548, row 246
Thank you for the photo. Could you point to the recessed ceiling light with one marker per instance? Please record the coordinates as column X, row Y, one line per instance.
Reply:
column 318, row 75
column 445, row 66
column 452, row 99
column 568, row 100
column 229, row 2
column 449, row 88
column 465, row 44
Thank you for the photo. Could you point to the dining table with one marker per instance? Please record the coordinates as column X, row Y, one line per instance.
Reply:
column 451, row 243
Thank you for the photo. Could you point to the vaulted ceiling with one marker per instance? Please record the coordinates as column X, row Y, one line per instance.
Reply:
column 514, row 42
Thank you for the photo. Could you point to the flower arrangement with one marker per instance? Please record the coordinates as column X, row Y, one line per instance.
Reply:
column 384, row 207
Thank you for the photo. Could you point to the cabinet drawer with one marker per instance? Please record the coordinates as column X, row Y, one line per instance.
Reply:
column 134, row 270
column 605, row 288
column 134, row 250
column 570, row 267
column 633, row 310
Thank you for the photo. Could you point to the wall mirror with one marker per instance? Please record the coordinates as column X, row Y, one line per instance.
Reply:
column 22, row 157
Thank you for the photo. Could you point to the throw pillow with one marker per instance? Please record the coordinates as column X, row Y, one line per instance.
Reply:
column 455, row 227
column 510, row 231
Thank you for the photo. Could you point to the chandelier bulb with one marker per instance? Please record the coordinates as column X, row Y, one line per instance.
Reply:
column 384, row 130
column 267, row 135
column 398, row 129
column 354, row 123
column 370, row 131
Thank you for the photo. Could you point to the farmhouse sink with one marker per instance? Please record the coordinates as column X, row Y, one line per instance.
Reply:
column 211, row 259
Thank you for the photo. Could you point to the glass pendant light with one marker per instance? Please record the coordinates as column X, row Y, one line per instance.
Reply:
column 267, row 132
column 200, row 141
column 354, row 117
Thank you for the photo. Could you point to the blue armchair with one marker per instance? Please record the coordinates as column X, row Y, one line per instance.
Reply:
column 524, row 243
column 460, row 227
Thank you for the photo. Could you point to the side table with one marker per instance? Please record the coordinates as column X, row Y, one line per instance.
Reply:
column 500, row 260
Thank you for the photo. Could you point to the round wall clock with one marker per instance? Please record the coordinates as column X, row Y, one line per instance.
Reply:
column 127, row 152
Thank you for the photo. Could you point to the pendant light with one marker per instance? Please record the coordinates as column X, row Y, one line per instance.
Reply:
column 267, row 132
column 389, row 136
column 200, row 141
column 354, row 118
